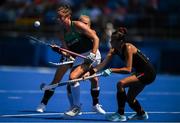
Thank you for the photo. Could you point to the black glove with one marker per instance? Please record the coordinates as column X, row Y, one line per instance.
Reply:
column 55, row 48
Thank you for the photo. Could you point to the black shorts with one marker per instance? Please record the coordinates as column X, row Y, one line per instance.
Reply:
column 147, row 76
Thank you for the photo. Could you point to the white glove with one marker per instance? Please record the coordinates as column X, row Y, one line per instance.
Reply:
column 90, row 58
column 107, row 72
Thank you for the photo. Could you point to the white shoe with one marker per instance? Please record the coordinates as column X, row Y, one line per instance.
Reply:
column 76, row 110
column 41, row 108
column 138, row 117
column 80, row 113
column 98, row 108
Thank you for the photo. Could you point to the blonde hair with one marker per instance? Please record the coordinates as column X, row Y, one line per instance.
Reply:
column 86, row 18
column 65, row 9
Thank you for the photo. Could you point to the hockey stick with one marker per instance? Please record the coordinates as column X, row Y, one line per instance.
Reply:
column 44, row 87
column 61, row 63
column 69, row 60
column 73, row 53
column 33, row 39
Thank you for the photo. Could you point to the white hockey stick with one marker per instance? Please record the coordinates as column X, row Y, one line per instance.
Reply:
column 44, row 87
column 61, row 63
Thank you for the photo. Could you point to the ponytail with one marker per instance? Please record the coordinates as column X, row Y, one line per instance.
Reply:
column 122, row 30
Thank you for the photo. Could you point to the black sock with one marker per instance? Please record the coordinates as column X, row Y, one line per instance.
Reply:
column 68, row 87
column 121, row 100
column 135, row 105
column 95, row 96
column 47, row 95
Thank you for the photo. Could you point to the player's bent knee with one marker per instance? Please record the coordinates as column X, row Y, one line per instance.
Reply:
column 72, row 76
column 120, row 86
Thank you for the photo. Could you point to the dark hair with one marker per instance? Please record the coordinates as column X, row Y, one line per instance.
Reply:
column 119, row 34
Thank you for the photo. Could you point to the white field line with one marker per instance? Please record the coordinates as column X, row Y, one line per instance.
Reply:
column 86, row 113
column 86, row 92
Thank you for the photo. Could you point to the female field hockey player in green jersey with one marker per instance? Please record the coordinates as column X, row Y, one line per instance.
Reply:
column 80, row 38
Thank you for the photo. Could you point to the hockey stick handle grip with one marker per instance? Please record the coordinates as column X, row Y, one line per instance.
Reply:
column 80, row 79
column 72, row 53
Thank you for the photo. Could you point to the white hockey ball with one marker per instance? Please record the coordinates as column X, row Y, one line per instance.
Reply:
column 37, row 23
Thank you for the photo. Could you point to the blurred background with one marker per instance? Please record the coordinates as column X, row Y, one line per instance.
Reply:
column 152, row 26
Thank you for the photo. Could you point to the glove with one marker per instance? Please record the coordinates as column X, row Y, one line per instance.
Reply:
column 71, row 58
column 90, row 58
column 107, row 72
column 65, row 59
column 55, row 48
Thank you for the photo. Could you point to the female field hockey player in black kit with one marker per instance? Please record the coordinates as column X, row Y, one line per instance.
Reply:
column 143, row 75
column 78, row 42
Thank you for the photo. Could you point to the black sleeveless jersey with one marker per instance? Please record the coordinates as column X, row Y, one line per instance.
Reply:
column 140, row 61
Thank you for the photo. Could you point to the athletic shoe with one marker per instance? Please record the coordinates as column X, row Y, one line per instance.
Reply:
column 41, row 108
column 116, row 117
column 98, row 108
column 76, row 110
column 80, row 113
column 138, row 117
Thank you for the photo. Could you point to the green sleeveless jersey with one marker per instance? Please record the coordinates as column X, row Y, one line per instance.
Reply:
column 76, row 41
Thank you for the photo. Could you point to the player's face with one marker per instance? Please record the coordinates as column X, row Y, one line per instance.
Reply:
column 115, row 43
column 63, row 18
